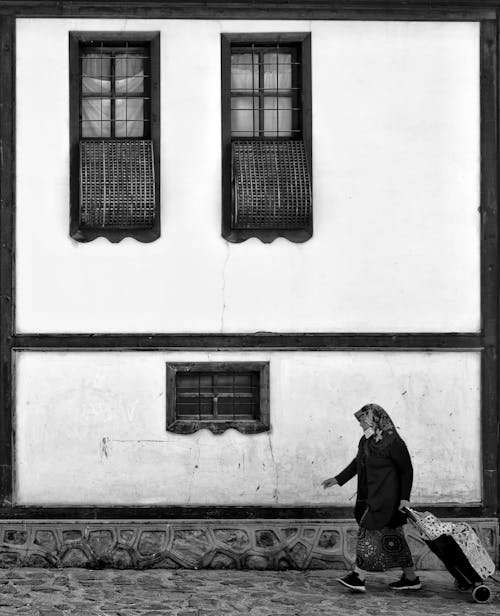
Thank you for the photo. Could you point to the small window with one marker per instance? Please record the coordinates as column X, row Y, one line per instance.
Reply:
column 266, row 137
column 114, row 99
column 218, row 396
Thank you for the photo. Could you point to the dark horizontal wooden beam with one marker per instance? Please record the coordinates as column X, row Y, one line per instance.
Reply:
column 414, row 10
column 214, row 512
column 257, row 341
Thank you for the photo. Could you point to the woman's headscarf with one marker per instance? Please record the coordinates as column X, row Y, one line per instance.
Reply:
column 383, row 427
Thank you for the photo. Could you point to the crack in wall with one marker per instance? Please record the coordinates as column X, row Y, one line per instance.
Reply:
column 276, row 492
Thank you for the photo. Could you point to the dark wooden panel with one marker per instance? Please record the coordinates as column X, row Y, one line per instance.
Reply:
column 7, row 183
column 489, row 265
column 211, row 512
column 263, row 341
column 242, row 9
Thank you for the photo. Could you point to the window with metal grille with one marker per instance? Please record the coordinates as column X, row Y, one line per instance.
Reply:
column 114, row 135
column 265, row 91
column 266, row 134
column 114, row 91
column 218, row 396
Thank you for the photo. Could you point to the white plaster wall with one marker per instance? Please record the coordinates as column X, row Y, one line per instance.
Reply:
column 396, row 191
column 90, row 429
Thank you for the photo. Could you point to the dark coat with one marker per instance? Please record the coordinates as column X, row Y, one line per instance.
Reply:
column 383, row 481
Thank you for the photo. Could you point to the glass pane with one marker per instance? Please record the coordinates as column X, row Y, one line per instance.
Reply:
column 130, row 85
column 224, row 382
column 206, row 381
column 96, row 113
column 242, row 114
column 96, row 74
column 187, row 407
column 278, row 116
column 194, row 408
column 245, row 408
column 243, row 382
column 129, row 74
column 129, row 109
column 129, row 113
column 187, row 383
column 129, row 129
column 277, row 70
column 225, row 406
column 241, row 72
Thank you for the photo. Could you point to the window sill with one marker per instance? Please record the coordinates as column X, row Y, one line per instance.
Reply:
column 185, row 426
column 267, row 235
column 88, row 234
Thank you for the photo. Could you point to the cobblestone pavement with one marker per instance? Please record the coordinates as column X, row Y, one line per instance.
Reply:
column 81, row 592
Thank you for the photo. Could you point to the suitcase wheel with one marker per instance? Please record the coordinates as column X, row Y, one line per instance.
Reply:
column 481, row 594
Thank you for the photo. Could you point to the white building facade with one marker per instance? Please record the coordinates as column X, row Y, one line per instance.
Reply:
column 113, row 331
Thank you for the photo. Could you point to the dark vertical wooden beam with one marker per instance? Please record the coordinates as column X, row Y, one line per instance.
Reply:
column 489, row 266
column 7, row 174
column 226, row 190
column 74, row 134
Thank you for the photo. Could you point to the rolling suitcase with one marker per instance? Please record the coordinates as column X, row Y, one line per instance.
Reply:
column 459, row 549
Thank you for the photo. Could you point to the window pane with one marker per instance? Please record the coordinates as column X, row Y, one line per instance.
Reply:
column 242, row 114
column 224, row 382
column 95, row 117
column 129, row 74
column 278, row 116
column 241, row 72
column 277, row 70
column 187, row 383
column 96, row 74
column 243, row 381
column 129, row 113
column 225, row 407
column 206, row 382
column 129, row 109
column 195, row 409
column 229, row 407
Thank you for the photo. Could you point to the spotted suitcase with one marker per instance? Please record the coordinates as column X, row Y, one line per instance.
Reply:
column 460, row 550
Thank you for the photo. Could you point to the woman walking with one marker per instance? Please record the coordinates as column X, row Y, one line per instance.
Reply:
column 385, row 477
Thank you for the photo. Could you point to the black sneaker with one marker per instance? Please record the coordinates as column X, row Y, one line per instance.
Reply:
column 353, row 582
column 405, row 584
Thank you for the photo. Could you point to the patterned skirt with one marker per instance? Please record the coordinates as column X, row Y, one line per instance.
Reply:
column 378, row 550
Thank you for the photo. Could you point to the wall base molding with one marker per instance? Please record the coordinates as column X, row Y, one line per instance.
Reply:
column 198, row 544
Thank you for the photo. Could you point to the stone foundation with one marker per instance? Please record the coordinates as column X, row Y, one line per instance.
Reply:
column 197, row 544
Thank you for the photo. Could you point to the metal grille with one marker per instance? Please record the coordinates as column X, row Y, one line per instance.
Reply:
column 265, row 91
column 216, row 396
column 272, row 188
column 117, row 184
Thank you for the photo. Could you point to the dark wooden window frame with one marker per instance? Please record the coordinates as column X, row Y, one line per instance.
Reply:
column 76, row 41
column 303, row 42
column 189, row 426
column 485, row 341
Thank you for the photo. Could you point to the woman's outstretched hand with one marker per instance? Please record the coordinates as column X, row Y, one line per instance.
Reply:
column 403, row 504
column 328, row 483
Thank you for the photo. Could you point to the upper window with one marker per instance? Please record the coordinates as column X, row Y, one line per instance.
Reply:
column 266, row 134
column 114, row 135
column 218, row 396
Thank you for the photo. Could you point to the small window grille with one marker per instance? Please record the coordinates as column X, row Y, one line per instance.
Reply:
column 218, row 396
